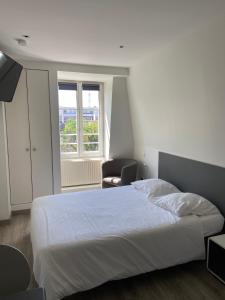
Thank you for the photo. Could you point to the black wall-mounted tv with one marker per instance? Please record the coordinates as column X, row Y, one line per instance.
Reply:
column 10, row 72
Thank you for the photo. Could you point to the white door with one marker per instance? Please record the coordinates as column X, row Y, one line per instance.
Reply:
column 19, row 145
column 40, row 132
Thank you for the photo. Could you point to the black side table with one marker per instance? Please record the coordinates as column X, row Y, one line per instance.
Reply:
column 216, row 256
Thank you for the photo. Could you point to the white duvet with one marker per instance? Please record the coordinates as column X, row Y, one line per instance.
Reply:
column 81, row 240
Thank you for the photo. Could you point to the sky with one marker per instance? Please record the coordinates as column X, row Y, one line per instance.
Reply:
column 68, row 98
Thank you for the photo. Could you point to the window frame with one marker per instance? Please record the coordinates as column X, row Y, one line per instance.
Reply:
column 80, row 152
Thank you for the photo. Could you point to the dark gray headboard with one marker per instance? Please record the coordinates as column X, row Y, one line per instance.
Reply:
column 194, row 177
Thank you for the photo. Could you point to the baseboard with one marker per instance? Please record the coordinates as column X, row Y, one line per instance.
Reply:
column 80, row 188
column 5, row 222
column 21, row 211
column 21, row 207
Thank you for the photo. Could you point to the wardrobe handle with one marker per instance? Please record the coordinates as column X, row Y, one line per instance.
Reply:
column 34, row 149
column 27, row 149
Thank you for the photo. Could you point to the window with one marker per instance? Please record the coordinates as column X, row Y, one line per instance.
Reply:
column 80, row 119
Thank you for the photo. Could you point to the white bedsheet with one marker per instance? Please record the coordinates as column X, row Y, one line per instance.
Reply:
column 83, row 239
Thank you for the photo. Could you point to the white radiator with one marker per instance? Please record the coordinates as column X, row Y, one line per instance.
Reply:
column 80, row 171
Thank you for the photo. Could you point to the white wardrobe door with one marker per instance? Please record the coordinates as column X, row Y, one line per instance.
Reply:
column 40, row 132
column 19, row 145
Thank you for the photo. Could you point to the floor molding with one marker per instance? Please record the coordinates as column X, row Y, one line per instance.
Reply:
column 22, row 211
column 5, row 222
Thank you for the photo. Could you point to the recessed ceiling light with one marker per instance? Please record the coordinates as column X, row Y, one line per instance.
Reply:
column 21, row 42
column 121, row 46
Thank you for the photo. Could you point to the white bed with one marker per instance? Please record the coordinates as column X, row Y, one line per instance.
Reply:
column 81, row 240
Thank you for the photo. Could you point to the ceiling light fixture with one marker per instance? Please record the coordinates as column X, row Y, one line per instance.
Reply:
column 21, row 42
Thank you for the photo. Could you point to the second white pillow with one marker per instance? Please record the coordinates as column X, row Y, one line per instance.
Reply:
column 154, row 187
column 183, row 204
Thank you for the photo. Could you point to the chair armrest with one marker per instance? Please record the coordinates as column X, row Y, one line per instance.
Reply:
column 129, row 173
column 107, row 168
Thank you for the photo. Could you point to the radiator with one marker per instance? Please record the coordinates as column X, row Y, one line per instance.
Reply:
column 80, row 172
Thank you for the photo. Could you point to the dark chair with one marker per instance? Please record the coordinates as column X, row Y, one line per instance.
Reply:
column 118, row 172
column 15, row 276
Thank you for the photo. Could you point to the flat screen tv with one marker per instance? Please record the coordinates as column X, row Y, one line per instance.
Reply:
column 10, row 72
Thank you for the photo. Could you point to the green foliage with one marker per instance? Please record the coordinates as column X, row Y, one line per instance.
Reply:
column 89, row 127
column 70, row 126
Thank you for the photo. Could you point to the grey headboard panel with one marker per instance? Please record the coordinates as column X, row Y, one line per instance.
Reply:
column 194, row 177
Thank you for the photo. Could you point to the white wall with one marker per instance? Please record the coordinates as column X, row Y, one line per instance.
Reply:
column 5, row 209
column 177, row 99
column 121, row 135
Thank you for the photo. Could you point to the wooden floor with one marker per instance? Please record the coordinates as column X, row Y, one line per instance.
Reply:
column 190, row 281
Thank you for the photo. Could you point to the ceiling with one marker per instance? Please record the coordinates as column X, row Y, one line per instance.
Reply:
column 91, row 31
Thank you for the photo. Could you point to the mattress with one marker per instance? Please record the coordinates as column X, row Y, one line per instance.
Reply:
column 83, row 239
column 211, row 224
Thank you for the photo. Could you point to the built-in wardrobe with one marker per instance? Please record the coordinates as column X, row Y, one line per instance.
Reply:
column 28, row 125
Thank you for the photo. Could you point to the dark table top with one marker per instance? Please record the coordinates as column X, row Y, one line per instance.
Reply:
column 34, row 294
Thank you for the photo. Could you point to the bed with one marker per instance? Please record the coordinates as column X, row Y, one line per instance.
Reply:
column 81, row 240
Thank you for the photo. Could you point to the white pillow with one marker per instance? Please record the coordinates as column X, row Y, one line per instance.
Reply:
column 183, row 204
column 154, row 187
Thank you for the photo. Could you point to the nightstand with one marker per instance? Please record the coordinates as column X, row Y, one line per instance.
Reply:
column 216, row 256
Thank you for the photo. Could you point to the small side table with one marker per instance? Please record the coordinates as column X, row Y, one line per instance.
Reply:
column 216, row 256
